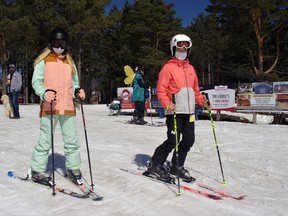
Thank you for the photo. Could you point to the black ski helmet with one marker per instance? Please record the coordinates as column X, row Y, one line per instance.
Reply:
column 138, row 69
column 58, row 34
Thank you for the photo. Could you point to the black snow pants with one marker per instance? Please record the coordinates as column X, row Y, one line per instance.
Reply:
column 186, row 128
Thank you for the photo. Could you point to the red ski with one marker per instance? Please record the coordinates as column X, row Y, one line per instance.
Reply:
column 222, row 193
column 173, row 184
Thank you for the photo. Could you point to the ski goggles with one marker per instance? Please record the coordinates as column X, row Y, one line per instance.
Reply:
column 59, row 43
column 183, row 44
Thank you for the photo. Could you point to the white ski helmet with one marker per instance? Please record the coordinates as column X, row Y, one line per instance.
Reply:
column 178, row 38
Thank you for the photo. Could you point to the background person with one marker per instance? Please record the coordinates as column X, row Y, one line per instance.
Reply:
column 138, row 97
column 14, row 84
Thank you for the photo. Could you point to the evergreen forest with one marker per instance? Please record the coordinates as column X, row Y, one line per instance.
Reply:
column 235, row 41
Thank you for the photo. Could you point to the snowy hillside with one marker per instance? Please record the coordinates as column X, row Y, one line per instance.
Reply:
column 254, row 160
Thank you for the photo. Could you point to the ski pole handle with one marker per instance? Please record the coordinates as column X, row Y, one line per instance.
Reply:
column 49, row 95
column 173, row 99
column 79, row 94
column 207, row 98
column 76, row 92
column 50, row 90
column 172, row 106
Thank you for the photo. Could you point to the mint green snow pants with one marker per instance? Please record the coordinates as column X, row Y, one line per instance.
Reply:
column 71, row 147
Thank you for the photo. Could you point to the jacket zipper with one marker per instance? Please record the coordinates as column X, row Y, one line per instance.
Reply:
column 187, row 87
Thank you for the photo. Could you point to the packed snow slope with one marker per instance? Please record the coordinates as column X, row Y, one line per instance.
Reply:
column 254, row 159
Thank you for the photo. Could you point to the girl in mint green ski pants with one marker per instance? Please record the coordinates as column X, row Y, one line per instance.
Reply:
column 71, row 146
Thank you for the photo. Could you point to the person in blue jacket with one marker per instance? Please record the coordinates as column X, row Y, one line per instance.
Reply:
column 138, row 97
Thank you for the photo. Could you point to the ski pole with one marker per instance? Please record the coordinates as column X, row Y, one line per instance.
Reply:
column 52, row 142
column 150, row 103
column 87, row 146
column 176, row 145
column 214, row 133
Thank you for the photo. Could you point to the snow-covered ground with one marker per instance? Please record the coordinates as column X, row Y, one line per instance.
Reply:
column 254, row 158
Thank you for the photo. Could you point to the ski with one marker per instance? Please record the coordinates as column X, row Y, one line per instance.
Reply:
column 174, row 184
column 214, row 190
column 153, row 124
column 222, row 193
column 12, row 174
column 84, row 187
column 90, row 193
column 156, row 124
column 217, row 191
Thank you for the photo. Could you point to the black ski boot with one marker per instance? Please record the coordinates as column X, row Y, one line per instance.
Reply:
column 75, row 176
column 141, row 122
column 134, row 120
column 159, row 172
column 183, row 174
column 41, row 178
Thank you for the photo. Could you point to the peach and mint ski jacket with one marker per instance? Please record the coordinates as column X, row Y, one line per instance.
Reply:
column 179, row 77
column 54, row 72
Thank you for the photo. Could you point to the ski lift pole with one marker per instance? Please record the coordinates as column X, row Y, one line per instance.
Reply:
column 214, row 134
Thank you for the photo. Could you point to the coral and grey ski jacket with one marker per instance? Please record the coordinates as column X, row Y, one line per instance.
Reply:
column 54, row 72
column 179, row 77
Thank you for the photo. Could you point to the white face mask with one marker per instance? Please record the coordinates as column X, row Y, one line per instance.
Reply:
column 181, row 55
column 58, row 50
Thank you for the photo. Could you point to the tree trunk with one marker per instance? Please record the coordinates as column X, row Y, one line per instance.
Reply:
column 4, row 56
column 256, row 19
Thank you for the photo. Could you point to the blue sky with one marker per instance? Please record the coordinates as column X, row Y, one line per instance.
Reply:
column 185, row 9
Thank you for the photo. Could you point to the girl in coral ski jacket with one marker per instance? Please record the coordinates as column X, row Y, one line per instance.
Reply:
column 179, row 78
column 178, row 92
